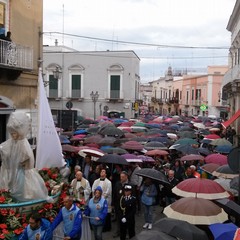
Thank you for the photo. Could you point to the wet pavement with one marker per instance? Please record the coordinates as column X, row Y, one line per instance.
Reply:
column 139, row 222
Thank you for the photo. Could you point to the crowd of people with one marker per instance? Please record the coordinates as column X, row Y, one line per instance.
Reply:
column 114, row 192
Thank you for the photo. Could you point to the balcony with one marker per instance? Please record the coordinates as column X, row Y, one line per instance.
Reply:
column 160, row 101
column 196, row 103
column 15, row 58
column 174, row 100
column 115, row 96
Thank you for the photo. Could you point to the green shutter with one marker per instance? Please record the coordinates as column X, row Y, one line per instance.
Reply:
column 76, row 82
column 53, row 83
column 115, row 82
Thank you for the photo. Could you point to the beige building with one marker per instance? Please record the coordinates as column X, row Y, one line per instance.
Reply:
column 19, row 57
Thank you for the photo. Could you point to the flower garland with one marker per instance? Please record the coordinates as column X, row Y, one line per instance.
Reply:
column 13, row 221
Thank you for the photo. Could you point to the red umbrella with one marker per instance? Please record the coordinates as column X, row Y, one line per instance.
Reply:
column 192, row 157
column 212, row 136
column 200, row 187
column 216, row 158
column 156, row 152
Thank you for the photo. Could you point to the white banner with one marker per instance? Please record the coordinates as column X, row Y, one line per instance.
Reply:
column 49, row 149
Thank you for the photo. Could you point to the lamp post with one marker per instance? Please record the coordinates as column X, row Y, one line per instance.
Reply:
column 57, row 74
column 94, row 97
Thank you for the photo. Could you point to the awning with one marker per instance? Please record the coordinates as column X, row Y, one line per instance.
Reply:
column 232, row 119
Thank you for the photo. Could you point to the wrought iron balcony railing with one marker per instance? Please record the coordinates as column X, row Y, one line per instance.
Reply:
column 13, row 55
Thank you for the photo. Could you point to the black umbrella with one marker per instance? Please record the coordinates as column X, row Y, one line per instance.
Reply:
column 113, row 158
column 180, row 229
column 115, row 150
column 229, row 206
column 153, row 235
column 111, row 131
column 185, row 149
column 153, row 174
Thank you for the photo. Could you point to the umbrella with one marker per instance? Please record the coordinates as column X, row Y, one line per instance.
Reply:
column 234, row 183
column 223, row 149
column 70, row 148
column 220, row 141
column 146, row 159
column 94, row 152
column 180, row 229
column 113, row 158
column 226, row 184
column 197, row 211
column 153, row 174
column 115, row 150
column 186, row 141
column 172, row 135
column 93, row 139
column 106, row 141
column 111, row 131
column 156, row 152
column 209, row 167
column 216, row 158
column 200, row 187
column 224, row 171
column 223, row 231
column 80, row 131
column 199, row 125
column 131, row 158
column 64, row 139
column 132, row 145
column 192, row 157
column 154, row 145
column 186, row 134
column 212, row 136
column 185, row 149
column 229, row 206
column 153, row 235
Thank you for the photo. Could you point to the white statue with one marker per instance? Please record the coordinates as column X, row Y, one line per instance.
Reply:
column 17, row 170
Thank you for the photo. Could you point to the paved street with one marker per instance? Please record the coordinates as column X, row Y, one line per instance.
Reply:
column 139, row 223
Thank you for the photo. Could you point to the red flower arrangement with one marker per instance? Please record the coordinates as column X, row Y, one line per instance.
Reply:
column 13, row 222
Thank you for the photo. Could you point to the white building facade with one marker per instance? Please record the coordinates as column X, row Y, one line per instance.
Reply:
column 113, row 75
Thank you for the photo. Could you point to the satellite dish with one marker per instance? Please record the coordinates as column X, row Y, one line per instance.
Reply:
column 234, row 159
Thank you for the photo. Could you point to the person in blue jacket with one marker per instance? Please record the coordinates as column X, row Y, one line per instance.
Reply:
column 71, row 216
column 37, row 229
column 97, row 209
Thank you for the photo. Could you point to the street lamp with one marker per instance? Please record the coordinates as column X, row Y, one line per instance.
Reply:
column 94, row 97
column 57, row 73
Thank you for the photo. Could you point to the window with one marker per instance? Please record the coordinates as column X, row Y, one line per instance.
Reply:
column 76, row 86
column 53, row 87
column 198, row 94
column 115, row 86
column 192, row 94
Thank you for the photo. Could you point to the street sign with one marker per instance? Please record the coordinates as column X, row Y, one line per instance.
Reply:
column 203, row 107
column 69, row 105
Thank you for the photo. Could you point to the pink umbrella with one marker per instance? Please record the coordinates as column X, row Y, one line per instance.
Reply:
column 156, row 152
column 132, row 158
column 216, row 158
column 192, row 157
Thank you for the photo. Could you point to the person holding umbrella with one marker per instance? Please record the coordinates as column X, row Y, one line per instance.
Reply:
column 148, row 198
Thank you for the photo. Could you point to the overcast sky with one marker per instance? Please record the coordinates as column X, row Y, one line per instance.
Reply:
column 162, row 27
